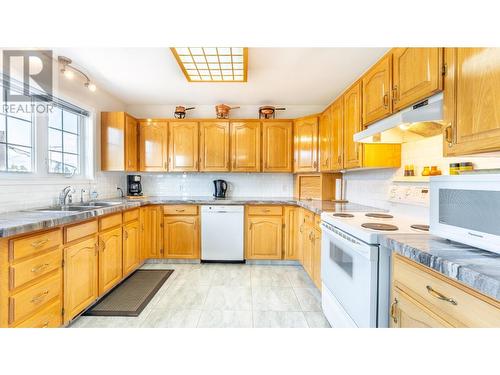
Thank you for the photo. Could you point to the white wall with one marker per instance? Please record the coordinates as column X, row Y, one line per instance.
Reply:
column 200, row 184
column 208, row 111
column 22, row 192
column 371, row 187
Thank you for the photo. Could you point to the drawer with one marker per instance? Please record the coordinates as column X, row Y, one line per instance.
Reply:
column 432, row 289
column 26, row 302
column 48, row 317
column 31, row 245
column 131, row 215
column 75, row 232
column 180, row 209
column 110, row 221
column 24, row 272
column 265, row 210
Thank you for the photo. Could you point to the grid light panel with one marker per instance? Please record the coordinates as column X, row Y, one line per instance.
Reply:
column 213, row 64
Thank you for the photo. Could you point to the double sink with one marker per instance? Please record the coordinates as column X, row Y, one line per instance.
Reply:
column 87, row 206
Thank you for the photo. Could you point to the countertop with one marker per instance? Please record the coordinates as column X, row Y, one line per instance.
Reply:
column 473, row 267
column 19, row 222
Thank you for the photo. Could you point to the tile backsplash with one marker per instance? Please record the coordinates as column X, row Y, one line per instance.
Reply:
column 200, row 184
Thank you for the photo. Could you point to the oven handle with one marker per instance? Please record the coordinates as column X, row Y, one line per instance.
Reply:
column 353, row 245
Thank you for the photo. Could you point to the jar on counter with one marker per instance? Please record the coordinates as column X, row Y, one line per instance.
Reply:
column 454, row 168
column 466, row 166
column 435, row 171
column 426, row 171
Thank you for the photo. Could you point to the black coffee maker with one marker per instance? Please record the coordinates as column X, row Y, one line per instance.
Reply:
column 134, row 187
column 220, row 189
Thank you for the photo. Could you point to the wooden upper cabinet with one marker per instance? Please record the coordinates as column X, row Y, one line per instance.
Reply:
column 472, row 97
column 153, row 146
column 352, row 125
column 325, row 140
column 245, row 146
column 377, row 89
column 214, row 146
column 417, row 74
column 118, row 142
column 277, row 146
column 306, row 144
column 131, row 143
column 337, row 135
column 183, row 146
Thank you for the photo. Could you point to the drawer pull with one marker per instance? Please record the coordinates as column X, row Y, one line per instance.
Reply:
column 267, row 210
column 39, row 298
column 40, row 267
column 440, row 296
column 393, row 311
column 45, row 324
column 39, row 243
column 180, row 210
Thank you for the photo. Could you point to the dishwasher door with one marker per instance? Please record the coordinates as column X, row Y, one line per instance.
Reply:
column 222, row 233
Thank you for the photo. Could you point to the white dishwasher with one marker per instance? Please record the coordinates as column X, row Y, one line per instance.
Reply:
column 222, row 233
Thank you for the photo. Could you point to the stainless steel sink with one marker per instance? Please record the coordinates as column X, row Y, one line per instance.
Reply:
column 64, row 208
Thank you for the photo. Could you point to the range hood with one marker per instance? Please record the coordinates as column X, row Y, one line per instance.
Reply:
column 422, row 120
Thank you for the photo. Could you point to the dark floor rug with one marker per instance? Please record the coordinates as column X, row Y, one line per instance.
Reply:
column 131, row 296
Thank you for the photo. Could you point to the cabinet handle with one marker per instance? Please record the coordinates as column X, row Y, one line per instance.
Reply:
column 39, row 298
column 40, row 267
column 103, row 247
column 165, row 165
column 386, row 100
column 395, row 98
column 267, row 210
column 45, row 324
column 39, row 243
column 339, row 159
column 440, row 296
column 180, row 210
column 251, row 225
column 315, row 165
column 393, row 311
column 125, row 234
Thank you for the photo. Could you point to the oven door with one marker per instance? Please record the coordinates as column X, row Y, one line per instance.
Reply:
column 349, row 269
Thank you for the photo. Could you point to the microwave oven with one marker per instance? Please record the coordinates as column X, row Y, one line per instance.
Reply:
column 466, row 209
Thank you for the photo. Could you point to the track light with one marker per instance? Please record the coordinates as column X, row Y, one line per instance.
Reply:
column 69, row 72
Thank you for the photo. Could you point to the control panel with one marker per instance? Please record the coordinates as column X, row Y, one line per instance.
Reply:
column 416, row 195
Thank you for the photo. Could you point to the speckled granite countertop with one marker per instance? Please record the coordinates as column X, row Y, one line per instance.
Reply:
column 473, row 267
column 18, row 222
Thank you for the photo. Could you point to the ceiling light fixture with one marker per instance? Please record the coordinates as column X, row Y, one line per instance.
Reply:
column 69, row 70
column 213, row 64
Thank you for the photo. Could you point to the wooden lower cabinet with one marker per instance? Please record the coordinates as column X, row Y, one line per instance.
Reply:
column 264, row 237
column 181, row 237
column 290, row 236
column 316, row 257
column 408, row 313
column 131, row 247
column 110, row 259
column 151, row 232
column 80, row 277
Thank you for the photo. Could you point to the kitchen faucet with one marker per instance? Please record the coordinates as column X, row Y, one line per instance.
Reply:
column 64, row 195
column 121, row 191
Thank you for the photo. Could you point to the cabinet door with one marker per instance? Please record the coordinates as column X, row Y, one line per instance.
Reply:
column 290, row 238
column 337, row 135
column 214, row 146
column 113, row 141
column 277, row 146
column 131, row 247
column 306, row 145
column 151, row 232
column 80, row 277
column 377, row 89
column 473, row 82
column 264, row 237
column 407, row 313
column 245, row 146
column 183, row 146
column 316, row 258
column 181, row 237
column 352, row 124
column 110, row 259
column 416, row 74
column 153, row 146
column 307, row 248
column 325, row 140
column 131, row 141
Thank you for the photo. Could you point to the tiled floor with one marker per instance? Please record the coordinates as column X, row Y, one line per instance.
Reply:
column 227, row 295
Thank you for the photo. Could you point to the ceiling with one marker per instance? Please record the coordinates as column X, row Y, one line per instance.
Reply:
column 300, row 76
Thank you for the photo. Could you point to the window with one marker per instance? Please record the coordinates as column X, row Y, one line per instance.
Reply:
column 16, row 143
column 64, row 137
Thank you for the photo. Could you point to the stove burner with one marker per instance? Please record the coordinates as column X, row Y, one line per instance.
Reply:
column 380, row 216
column 343, row 215
column 380, row 226
column 420, row 227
